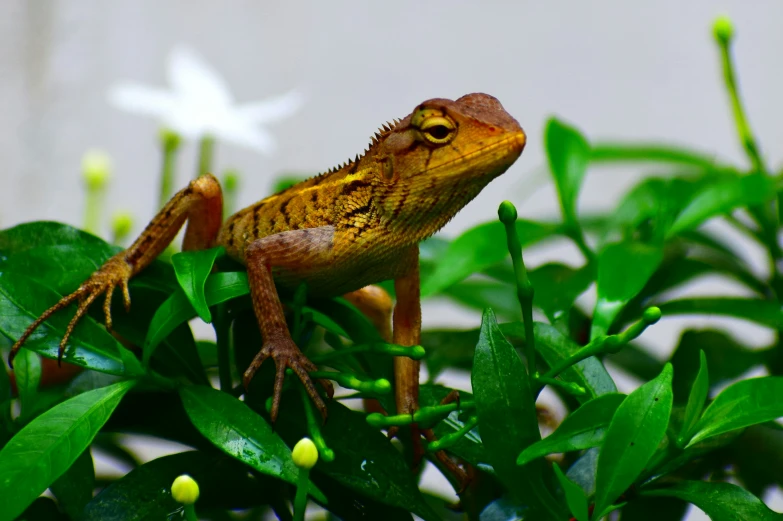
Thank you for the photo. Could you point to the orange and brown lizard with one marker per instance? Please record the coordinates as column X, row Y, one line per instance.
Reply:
column 339, row 232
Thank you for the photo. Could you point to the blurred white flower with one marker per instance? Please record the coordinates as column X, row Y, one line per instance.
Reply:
column 199, row 103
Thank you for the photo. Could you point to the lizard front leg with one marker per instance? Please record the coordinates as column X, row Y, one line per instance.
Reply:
column 290, row 252
column 201, row 203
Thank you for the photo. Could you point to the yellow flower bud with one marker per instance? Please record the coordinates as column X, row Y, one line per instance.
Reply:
column 305, row 454
column 184, row 490
column 96, row 168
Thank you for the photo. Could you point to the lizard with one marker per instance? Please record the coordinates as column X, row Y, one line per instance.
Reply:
column 339, row 232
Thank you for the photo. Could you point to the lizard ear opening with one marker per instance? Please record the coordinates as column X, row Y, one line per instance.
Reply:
column 438, row 129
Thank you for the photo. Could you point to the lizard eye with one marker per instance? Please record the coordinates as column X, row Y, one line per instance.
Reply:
column 438, row 130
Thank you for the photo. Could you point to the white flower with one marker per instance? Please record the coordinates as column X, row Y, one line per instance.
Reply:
column 199, row 103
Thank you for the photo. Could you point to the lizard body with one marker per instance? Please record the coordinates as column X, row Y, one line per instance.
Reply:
column 352, row 226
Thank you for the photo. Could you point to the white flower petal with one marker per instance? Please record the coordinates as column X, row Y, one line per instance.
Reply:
column 256, row 138
column 271, row 109
column 194, row 79
column 141, row 99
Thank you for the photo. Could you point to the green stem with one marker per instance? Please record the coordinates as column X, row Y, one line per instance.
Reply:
column 415, row 352
column 508, row 216
column 206, row 149
column 450, row 439
column 424, row 416
column 569, row 387
column 190, row 513
column 170, row 141
column 300, row 500
column 603, row 343
column 230, row 183
column 93, row 208
column 221, row 323
column 743, row 128
column 351, row 381
column 314, row 428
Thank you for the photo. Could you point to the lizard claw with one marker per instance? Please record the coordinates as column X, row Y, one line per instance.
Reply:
column 116, row 271
column 286, row 354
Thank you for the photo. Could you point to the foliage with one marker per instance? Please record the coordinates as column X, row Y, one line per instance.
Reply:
column 671, row 439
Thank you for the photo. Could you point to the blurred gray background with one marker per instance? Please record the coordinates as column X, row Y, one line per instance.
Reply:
column 617, row 70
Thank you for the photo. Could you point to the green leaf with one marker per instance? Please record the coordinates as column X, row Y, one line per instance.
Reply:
column 723, row 196
column 696, row 399
column 720, row 501
column 575, row 496
column 568, row 154
column 479, row 248
column 636, row 429
column 507, row 416
column 623, row 270
column 650, row 152
column 73, row 489
column 144, row 493
column 192, row 269
column 482, row 294
column 741, row 405
column 582, row 429
column 27, row 369
column 557, row 286
column 764, row 312
column 239, row 432
column 47, row 446
column 23, row 299
column 220, row 287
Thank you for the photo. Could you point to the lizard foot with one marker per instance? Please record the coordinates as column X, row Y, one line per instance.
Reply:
column 286, row 354
column 114, row 272
column 451, row 466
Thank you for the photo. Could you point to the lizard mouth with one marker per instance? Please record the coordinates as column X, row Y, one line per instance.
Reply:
column 505, row 151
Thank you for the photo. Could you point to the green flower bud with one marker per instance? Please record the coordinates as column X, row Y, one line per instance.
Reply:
column 169, row 139
column 507, row 212
column 96, row 169
column 184, row 490
column 231, row 181
column 723, row 29
column 305, row 454
column 651, row 315
column 382, row 386
column 121, row 224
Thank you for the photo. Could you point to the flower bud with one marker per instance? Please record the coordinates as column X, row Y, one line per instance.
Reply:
column 121, row 224
column 184, row 490
column 723, row 29
column 507, row 212
column 96, row 169
column 169, row 139
column 231, row 181
column 305, row 454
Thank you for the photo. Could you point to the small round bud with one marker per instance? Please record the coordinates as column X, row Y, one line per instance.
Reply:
column 184, row 490
column 507, row 212
column 169, row 139
column 231, row 181
column 305, row 454
column 418, row 352
column 723, row 29
column 121, row 223
column 96, row 169
column 382, row 386
column 651, row 315
column 376, row 419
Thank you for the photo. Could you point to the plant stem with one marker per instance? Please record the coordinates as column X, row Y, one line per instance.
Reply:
column 300, row 501
column 508, row 216
column 190, row 513
column 170, row 142
column 206, row 149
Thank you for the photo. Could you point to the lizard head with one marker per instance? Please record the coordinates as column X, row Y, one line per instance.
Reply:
column 436, row 160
